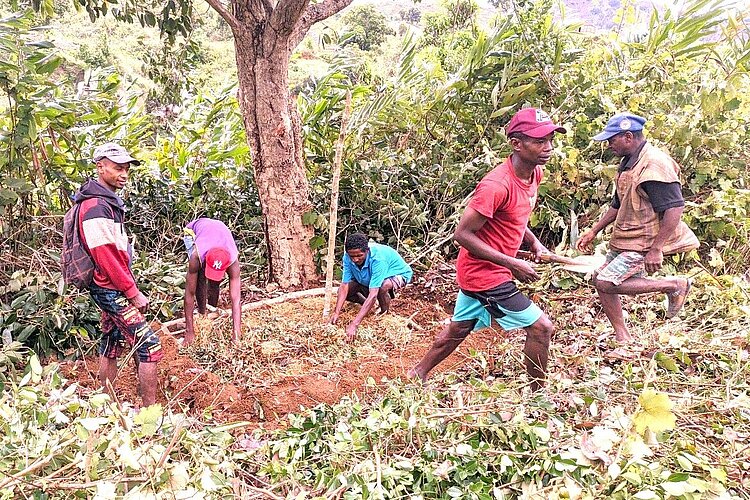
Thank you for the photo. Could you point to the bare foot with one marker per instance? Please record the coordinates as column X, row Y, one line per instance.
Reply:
column 623, row 337
column 622, row 353
column 413, row 374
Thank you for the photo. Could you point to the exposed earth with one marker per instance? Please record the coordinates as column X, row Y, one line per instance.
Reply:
column 290, row 359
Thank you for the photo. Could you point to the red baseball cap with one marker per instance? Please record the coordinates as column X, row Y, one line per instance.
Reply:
column 217, row 262
column 534, row 123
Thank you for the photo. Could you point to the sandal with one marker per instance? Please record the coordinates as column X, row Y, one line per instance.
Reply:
column 677, row 299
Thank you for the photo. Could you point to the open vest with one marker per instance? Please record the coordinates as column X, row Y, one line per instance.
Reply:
column 637, row 224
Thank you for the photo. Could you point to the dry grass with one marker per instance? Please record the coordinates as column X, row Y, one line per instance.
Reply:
column 291, row 339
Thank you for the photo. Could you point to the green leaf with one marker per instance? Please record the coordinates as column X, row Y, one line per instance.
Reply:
column 149, row 419
column 36, row 366
column 317, row 242
column 677, row 489
column 666, row 362
column 7, row 197
column 655, row 412
column 309, row 218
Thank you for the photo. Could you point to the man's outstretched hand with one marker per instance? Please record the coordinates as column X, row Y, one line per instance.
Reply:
column 584, row 243
column 351, row 333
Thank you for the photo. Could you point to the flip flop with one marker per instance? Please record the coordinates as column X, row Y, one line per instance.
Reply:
column 677, row 301
column 622, row 354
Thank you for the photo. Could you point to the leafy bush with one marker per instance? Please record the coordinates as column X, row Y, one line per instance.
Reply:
column 34, row 311
column 57, row 444
column 367, row 26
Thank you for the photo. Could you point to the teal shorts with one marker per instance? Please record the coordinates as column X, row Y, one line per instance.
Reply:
column 505, row 303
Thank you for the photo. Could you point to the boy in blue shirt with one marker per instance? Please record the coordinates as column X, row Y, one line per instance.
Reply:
column 371, row 271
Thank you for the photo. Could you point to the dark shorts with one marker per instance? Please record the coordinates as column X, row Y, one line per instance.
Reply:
column 504, row 303
column 124, row 327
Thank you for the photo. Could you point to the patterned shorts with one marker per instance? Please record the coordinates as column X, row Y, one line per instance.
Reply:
column 124, row 327
column 397, row 283
column 620, row 266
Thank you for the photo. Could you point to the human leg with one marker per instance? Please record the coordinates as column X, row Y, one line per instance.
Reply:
column 201, row 297
column 637, row 286
column 512, row 309
column 444, row 344
column 384, row 296
column 612, row 307
column 126, row 325
column 609, row 294
column 620, row 268
column 148, row 382
column 468, row 314
column 212, row 292
column 108, row 374
column 357, row 292
column 112, row 343
column 536, row 350
column 388, row 291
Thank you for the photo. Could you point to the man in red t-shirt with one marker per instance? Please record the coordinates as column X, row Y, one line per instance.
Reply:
column 490, row 233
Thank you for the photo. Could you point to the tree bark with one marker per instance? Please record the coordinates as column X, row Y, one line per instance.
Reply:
column 265, row 34
column 278, row 166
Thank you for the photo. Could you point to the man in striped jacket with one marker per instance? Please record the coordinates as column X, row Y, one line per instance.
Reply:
column 102, row 230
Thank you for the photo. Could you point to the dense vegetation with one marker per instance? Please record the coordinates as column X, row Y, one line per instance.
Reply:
column 429, row 106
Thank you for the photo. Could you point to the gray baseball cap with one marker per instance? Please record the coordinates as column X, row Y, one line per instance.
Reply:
column 114, row 152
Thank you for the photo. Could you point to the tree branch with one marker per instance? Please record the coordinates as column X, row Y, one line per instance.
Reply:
column 286, row 15
column 313, row 14
column 224, row 13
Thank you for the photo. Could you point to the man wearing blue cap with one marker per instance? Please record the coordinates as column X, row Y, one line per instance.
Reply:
column 646, row 211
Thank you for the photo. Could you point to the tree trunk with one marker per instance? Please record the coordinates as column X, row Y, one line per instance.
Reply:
column 278, row 162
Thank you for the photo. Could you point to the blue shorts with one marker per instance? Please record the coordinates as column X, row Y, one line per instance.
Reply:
column 505, row 303
column 189, row 239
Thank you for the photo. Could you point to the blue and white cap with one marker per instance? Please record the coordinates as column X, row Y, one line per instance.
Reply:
column 621, row 122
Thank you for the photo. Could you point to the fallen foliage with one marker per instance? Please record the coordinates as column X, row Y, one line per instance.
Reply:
column 58, row 444
column 670, row 422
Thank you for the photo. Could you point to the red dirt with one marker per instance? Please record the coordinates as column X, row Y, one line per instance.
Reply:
column 202, row 394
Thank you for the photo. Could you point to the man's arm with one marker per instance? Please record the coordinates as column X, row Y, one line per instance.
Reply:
column 584, row 243
column 191, row 284
column 340, row 299
column 536, row 246
column 654, row 257
column 465, row 235
column 372, row 297
column 235, row 286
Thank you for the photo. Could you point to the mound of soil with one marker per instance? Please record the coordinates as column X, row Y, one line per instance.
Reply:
column 279, row 384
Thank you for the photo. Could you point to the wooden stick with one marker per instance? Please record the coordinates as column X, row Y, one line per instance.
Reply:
column 333, row 217
column 548, row 257
column 179, row 323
